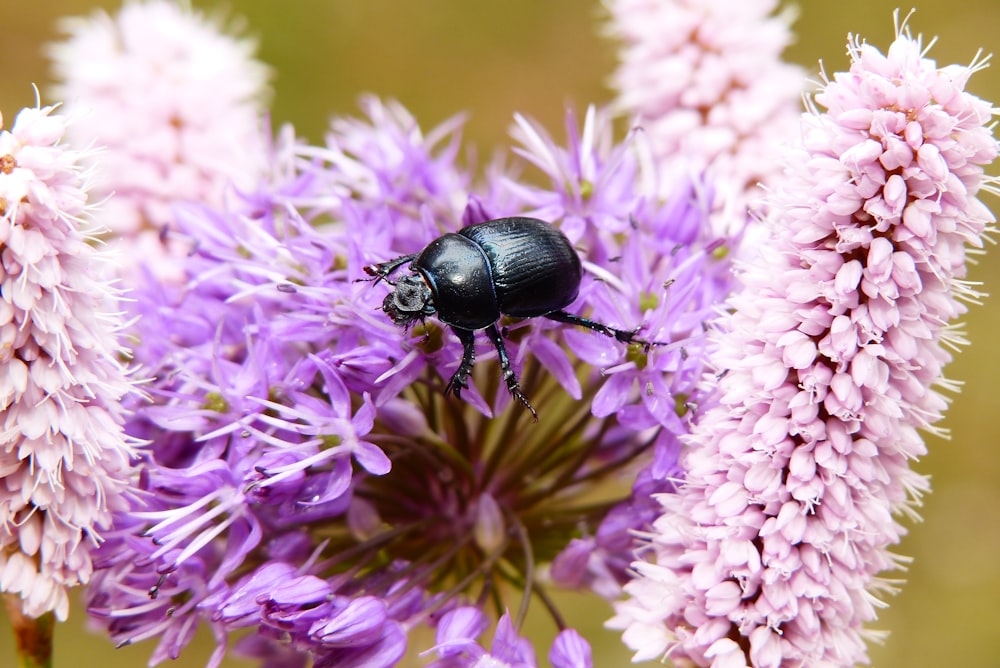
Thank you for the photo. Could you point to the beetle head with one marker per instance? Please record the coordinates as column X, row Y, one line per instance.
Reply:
column 411, row 300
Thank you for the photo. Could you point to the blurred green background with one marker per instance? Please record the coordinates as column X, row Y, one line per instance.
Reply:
column 491, row 59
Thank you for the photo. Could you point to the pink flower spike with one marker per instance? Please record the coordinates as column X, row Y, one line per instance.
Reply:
column 832, row 362
column 175, row 106
column 706, row 81
column 64, row 457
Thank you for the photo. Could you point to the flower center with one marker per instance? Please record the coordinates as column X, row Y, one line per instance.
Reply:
column 472, row 502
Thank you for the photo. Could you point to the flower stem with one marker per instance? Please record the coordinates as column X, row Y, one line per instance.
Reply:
column 34, row 635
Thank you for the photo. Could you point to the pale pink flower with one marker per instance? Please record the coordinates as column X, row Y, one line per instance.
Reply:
column 64, row 457
column 174, row 103
column 774, row 552
column 706, row 80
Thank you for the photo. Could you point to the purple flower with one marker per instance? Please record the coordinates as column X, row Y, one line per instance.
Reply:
column 307, row 477
column 774, row 551
column 457, row 645
column 570, row 650
column 65, row 461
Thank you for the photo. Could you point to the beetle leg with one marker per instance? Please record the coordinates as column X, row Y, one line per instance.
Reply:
column 623, row 335
column 508, row 372
column 382, row 270
column 460, row 380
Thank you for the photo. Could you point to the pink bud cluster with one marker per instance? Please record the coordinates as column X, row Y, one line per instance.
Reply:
column 174, row 106
column 774, row 551
column 64, row 456
column 706, row 80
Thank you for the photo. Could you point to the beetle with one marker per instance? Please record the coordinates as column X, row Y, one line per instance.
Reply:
column 520, row 267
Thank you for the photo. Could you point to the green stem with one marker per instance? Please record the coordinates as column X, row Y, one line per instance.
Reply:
column 34, row 636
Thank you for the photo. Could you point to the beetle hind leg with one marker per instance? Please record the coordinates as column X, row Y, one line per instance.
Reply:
column 460, row 380
column 508, row 372
column 623, row 335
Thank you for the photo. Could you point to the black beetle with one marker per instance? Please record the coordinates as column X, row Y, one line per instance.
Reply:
column 521, row 267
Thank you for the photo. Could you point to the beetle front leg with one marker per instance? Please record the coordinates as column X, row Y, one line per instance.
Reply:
column 382, row 270
column 508, row 372
column 460, row 380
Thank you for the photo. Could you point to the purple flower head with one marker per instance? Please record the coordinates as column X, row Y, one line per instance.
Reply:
column 306, row 475
column 774, row 551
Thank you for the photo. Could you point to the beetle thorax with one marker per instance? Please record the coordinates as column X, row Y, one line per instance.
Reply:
column 411, row 300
